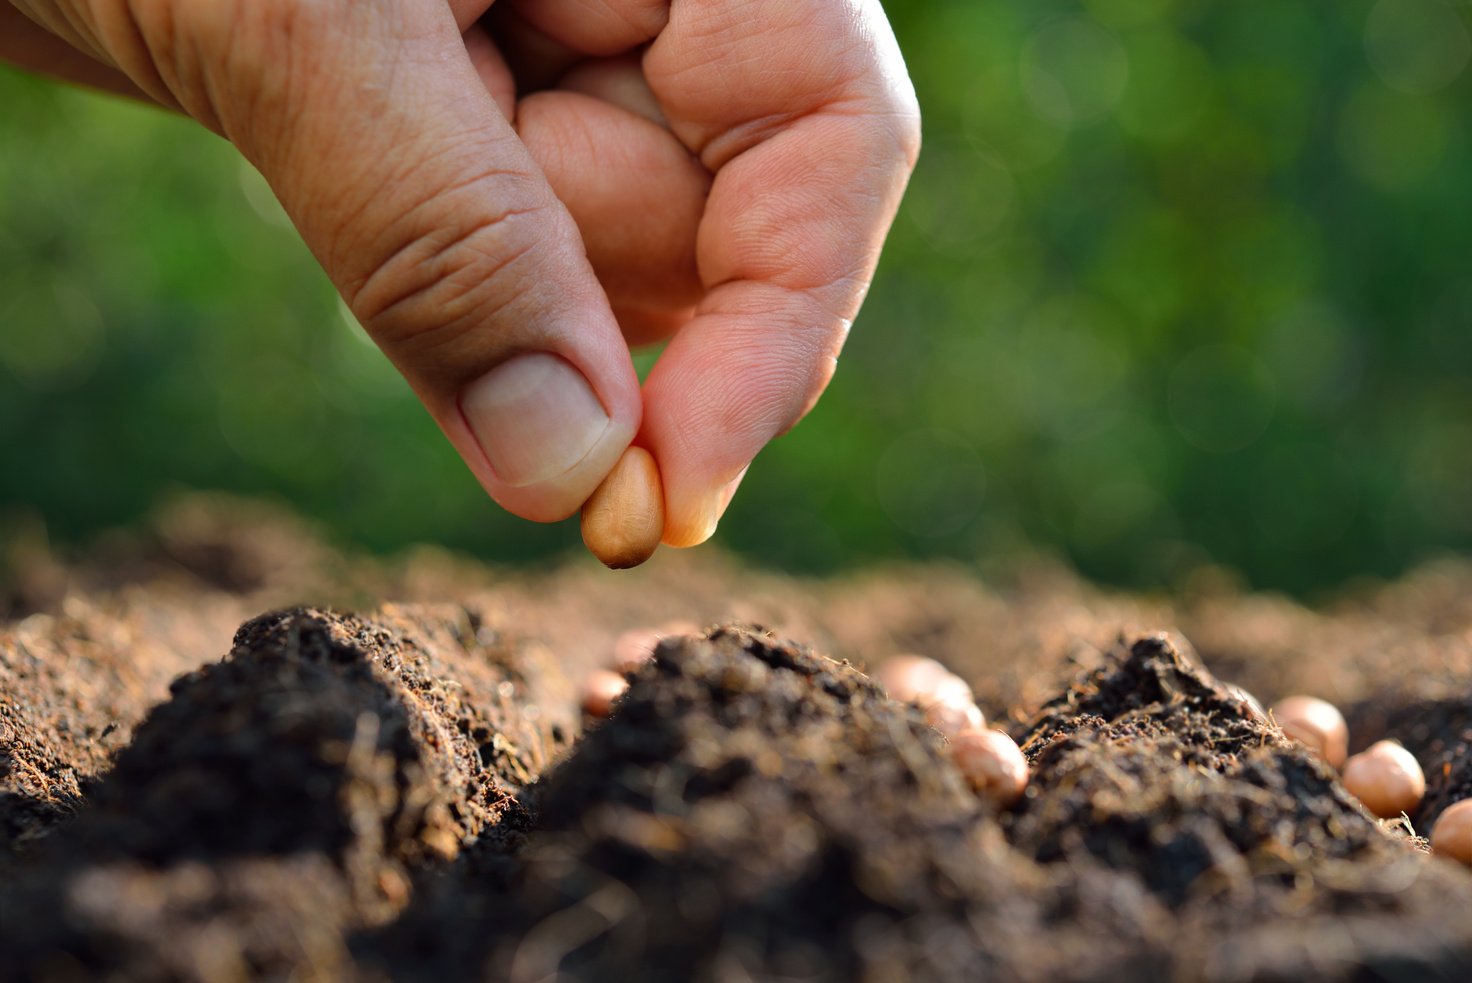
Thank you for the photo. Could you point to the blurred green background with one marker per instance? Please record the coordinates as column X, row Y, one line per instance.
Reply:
column 1177, row 280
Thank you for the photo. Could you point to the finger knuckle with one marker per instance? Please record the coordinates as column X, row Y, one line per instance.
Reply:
column 189, row 53
column 447, row 275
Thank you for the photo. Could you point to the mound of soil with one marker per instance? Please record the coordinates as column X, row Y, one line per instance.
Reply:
column 410, row 792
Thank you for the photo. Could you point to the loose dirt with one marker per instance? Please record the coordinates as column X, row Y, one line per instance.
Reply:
column 193, row 789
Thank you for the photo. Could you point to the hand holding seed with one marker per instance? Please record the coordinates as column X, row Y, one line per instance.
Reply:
column 507, row 219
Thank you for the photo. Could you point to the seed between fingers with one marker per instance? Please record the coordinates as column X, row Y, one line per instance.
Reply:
column 623, row 520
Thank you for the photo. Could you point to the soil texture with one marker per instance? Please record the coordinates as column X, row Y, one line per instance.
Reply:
column 385, row 775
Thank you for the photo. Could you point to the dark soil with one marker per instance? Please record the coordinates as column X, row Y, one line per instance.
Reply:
column 409, row 793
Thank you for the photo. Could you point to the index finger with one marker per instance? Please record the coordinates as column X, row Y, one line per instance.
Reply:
column 804, row 111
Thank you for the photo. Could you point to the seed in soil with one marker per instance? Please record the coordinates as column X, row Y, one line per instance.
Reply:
column 1316, row 724
column 993, row 763
column 624, row 518
column 951, row 717
column 636, row 646
column 1451, row 837
column 600, row 689
column 950, row 688
column 1386, row 778
column 949, row 705
column 909, row 678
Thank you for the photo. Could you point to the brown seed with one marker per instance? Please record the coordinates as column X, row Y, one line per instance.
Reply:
column 908, row 678
column 992, row 762
column 1452, row 835
column 600, row 689
column 624, row 517
column 1317, row 725
column 1386, row 778
column 950, row 688
column 633, row 648
column 393, row 887
column 951, row 717
column 636, row 646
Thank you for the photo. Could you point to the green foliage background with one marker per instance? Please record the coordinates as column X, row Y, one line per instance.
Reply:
column 1176, row 280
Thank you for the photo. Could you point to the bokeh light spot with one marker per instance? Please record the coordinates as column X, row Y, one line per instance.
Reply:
column 1438, row 477
column 1169, row 85
column 260, row 197
column 1416, row 45
column 1221, row 398
column 961, row 198
column 930, row 483
column 1301, row 498
column 997, row 119
column 1119, row 509
column 1129, row 13
column 270, row 413
column 1392, row 140
column 53, row 333
column 1071, row 366
column 1073, row 70
column 1315, row 358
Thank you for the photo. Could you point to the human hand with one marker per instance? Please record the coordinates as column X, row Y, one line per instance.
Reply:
column 719, row 173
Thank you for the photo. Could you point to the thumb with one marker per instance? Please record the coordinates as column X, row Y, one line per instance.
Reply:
column 413, row 191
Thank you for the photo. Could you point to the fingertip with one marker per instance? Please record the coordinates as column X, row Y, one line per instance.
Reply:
column 694, row 520
column 684, row 532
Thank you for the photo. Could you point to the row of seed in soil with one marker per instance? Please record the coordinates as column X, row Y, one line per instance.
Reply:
column 1385, row 777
